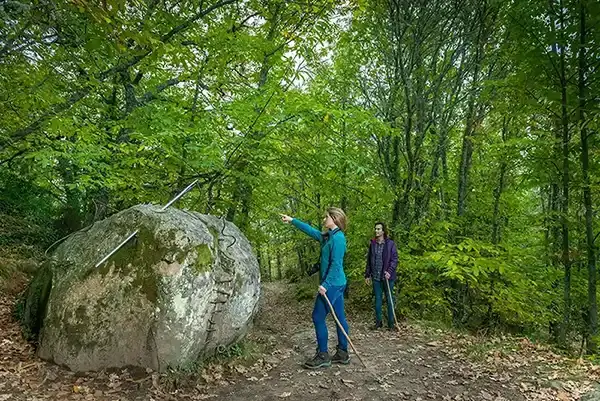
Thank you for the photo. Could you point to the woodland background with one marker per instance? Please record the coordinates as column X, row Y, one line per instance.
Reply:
column 470, row 127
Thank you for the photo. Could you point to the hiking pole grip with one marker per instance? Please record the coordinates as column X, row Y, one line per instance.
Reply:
column 387, row 284
column 337, row 321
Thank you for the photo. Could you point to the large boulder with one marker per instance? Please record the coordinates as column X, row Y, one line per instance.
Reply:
column 186, row 285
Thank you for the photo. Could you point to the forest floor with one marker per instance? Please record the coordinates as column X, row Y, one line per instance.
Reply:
column 418, row 363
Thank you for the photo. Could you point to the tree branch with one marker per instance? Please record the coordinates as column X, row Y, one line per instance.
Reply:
column 169, row 35
column 54, row 110
column 19, row 153
column 20, row 134
column 151, row 95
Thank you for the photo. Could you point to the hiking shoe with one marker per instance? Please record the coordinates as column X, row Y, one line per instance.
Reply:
column 341, row 356
column 320, row 360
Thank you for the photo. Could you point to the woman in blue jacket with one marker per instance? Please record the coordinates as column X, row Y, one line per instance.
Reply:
column 333, row 283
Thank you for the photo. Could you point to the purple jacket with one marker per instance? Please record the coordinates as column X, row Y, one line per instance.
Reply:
column 390, row 259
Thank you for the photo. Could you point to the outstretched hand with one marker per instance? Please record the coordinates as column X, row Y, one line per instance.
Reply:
column 285, row 218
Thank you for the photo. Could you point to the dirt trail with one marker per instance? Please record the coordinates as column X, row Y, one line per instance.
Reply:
column 417, row 364
column 411, row 364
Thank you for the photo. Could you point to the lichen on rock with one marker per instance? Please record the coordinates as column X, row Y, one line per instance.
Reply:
column 185, row 285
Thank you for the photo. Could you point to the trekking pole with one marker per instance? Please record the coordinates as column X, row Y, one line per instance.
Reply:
column 387, row 284
column 348, row 338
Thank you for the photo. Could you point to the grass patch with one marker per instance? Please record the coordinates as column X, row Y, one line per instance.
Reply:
column 244, row 351
column 227, row 361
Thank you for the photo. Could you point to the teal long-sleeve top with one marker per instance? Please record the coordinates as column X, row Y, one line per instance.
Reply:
column 334, row 245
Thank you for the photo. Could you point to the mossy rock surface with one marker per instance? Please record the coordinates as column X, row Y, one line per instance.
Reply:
column 185, row 285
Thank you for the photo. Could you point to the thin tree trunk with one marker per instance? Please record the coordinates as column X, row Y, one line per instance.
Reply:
column 465, row 160
column 391, row 157
column 587, row 193
column 499, row 189
column 554, row 250
column 344, row 172
column 258, row 255
column 279, row 266
column 268, row 266
column 496, row 226
column 565, row 189
column 302, row 262
column 496, row 220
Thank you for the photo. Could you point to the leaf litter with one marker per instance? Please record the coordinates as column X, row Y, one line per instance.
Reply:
column 417, row 363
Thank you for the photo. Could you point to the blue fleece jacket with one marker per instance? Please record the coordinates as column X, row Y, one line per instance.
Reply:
column 334, row 245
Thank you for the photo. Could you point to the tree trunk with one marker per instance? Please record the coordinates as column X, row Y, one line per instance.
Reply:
column 235, row 198
column 279, row 267
column 396, row 208
column 71, row 217
column 465, row 165
column 499, row 189
column 422, row 205
column 390, row 154
column 259, row 256
column 98, row 207
column 268, row 266
column 565, row 189
column 243, row 188
column 302, row 261
column 553, row 251
column 496, row 220
column 344, row 168
column 587, row 193
column 475, row 114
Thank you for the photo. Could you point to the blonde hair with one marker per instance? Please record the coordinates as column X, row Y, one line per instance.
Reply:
column 338, row 216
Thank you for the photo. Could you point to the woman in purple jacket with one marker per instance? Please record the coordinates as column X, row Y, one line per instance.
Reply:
column 382, row 261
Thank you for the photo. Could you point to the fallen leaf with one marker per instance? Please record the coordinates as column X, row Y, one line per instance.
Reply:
column 563, row 395
column 207, row 378
column 285, row 395
column 348, row 383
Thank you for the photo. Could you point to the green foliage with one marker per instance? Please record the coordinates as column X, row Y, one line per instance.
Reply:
column 284, row 107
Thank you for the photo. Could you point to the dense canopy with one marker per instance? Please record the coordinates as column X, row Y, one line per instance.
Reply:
column 469, row 127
